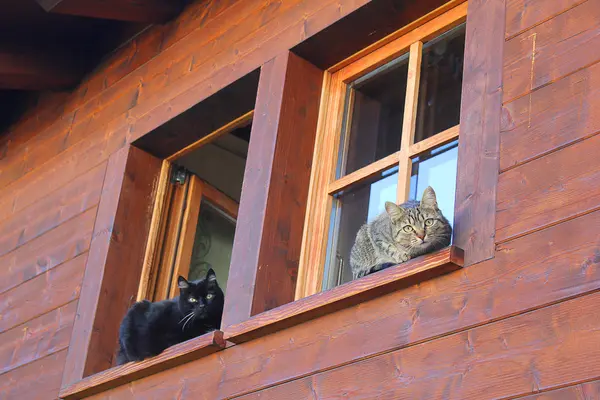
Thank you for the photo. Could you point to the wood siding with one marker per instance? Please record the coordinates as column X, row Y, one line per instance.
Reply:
column 521, row 324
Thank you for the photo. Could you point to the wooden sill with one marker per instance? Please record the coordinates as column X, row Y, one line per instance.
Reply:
column 123, row 374
column 346, row 295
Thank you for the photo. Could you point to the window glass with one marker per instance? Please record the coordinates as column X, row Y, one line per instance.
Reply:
column 440, row 84
column 437, row 169
column 375, row 108
column 351, row 209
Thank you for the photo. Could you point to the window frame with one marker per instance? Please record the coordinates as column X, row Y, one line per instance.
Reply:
column 174, row 219
column 332, row 118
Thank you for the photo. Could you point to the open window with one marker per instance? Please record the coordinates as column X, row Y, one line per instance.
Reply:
column 389, row 127
column 196, row 210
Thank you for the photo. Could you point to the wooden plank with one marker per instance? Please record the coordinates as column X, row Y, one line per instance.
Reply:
column 51, row 290
column 525, row 14
column 38, row 380
column 554, row 116
column 551, row 189
column 347, row 295
column 587, row 390
column 478, row 148
column 37, row 338
column 146, row 11
column 187, row 234
column 556, row 264
column 170, row 358
column 275, row 189
column 512, row 346
column 409, row 121
column 51, row 211
column 116, row 255
column 554, row 49
column 56, row 247
column 29, row 69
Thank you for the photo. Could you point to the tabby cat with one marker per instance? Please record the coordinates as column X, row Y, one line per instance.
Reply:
column 149, row 328
column 400, row 233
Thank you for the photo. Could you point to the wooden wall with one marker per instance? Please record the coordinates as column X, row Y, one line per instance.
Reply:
column 520, row 323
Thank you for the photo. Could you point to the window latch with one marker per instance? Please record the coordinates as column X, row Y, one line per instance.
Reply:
column 178, row 176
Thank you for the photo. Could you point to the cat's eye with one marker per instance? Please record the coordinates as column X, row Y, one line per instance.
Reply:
column 408, row 229
column 429, row 221
column 193, row 300
column 209, row 296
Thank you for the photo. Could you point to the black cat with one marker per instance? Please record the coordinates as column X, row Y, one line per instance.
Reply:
column 149, row 328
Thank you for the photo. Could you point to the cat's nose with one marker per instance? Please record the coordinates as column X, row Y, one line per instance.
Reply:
column 421, row 235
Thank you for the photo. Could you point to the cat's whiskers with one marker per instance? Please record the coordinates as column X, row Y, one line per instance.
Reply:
column 188, row 315
column 189, row 319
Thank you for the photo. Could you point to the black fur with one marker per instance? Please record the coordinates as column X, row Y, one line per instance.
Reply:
column 149, row 328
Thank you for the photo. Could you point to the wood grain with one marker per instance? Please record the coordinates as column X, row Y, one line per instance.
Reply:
column 38, row 380
column 525, row 14
column 173, row 356
column 557, row 263
column 53, row 210
column 364, row 173
column 37, row 338
column 220, row 200
column 48, row 251
column 561, row 46
column 551, row 118
column 42, row 294
column 116, row 255
column 273, row 202
column 346, row 295
column 516, row 356
column 548, row 190
column 478, row 149
column 583, row 391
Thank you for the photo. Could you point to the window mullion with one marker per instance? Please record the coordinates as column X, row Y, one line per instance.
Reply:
column 409, row 122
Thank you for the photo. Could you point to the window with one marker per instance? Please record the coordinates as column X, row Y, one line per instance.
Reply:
column 388, row 128
column 196, row 210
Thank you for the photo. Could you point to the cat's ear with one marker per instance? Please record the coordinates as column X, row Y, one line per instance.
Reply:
column 429, row 200
column 182, row 283
column 211, row 276
column 395, row 212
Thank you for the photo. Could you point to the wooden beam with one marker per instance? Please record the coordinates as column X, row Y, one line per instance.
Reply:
column 268, row 237
column 114, row 261
column 31, row 69
column 145, row 11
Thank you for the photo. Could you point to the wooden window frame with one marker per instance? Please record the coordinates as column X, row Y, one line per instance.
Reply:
column 174, row 219
column 332, row 117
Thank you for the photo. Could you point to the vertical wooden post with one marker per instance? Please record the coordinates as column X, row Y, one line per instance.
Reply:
column 114, row 262
column 479, row 144
column 268, row 236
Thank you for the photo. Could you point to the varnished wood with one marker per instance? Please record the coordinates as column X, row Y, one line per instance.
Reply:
column 409, row 122
column 478, row 148
column 271, row 215
column 584, row 390
column 187, row 234
column 148, row 11
column 347, row 295
column 439, row 139
column 170, row 358
column 155, row 235
column 364, row 173
column 220, row 200
column 548, row 190
column 116, row 255
column 523, row 14
column 552, row 50
column 225, row 129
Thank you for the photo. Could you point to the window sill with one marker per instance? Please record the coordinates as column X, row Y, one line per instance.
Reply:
column 415, row 271
column 123, row 374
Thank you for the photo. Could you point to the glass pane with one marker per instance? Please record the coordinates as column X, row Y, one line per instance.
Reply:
column 213, row 244
column 376, row 106
column 441, row 84
column 438, row 170
column 351, row 209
